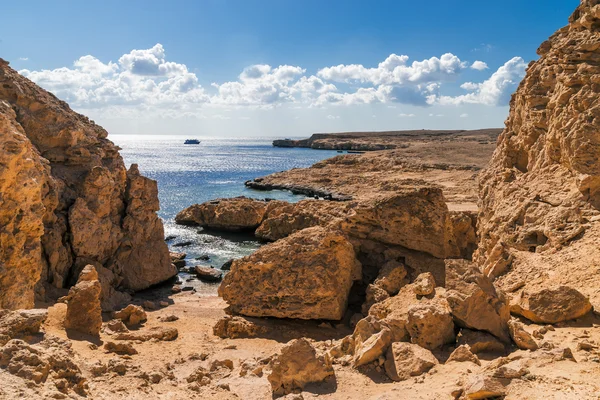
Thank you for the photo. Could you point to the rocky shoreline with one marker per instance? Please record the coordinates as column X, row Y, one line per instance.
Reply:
column 447, row 267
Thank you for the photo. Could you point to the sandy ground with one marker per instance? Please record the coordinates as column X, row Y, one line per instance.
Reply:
column 548, row 377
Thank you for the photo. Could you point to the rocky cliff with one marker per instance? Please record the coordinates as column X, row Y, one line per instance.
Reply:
column 68, row 201
column 540, row 195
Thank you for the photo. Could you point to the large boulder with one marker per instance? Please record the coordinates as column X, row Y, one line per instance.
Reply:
column 68, row 201
column 297, row 365
column 84, row 313
column 475, row 302
column 307, row 275
column 237, row 214
column 551, row 305
column 430, row 324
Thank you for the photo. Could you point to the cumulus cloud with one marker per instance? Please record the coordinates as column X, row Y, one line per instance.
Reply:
column 479, row 65
column 495, row 91
column 140, row 78
column 403, row 115
column 147, row 81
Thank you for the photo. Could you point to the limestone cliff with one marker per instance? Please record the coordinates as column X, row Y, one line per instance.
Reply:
column 541, row 190
column 68, row 201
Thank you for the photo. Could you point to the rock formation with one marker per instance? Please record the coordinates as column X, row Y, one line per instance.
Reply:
column 84, row 313
column 278, row 280
column 541, row 190
column 68, row 201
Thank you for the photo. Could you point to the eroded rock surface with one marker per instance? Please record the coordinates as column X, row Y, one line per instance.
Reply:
column 75, row 203
column 235, row 214
column 279, row 279
column 84, row 313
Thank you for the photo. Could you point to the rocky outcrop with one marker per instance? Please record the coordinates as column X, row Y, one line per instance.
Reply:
column 76, row 204
column 542, row 187
column 278, row 280
column 297, row 365
column 16, row 324
column 234, row 214
column 84, row 313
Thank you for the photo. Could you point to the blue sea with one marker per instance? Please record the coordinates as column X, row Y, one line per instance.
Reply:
column 217, row 167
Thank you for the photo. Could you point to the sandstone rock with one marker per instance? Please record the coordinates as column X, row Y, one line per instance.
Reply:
column 51, row 359
column 391, row 277
column 371, row 348
column 236, row 327
column 158, row 333
column 217, row 364
column 463, row 353
column 475, row 302
column 405, row 360
column 84, row 312
column 483, row 387
column 424, row 284
column 208, row 274
column 297, row 365
column 131, row 315
column 227, row 265
column 520, row 336
column 16, row 324
column 430, row 325
column 551, row 305
column 374, row 294
column 114, row 326
column 79, row 204
column 541, row 188
column 120, row 348
column 178, row 259
column 278, row 280
column 480, row 342
column 235, row 214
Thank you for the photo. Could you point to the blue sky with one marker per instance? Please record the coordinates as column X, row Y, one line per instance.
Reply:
column 268, row 67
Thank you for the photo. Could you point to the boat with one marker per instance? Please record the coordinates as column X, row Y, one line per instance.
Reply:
column 191, row 141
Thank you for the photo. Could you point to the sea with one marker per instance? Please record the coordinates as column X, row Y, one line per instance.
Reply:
column 215, row 168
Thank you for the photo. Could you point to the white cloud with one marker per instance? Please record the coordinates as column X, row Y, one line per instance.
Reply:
column 333, row 117
column 395, row 70
column 494, row 91
column 403, row 115
column 464, row 115
column 23, row 58
column 436, row 115
column 146, row 82
column 479, row 65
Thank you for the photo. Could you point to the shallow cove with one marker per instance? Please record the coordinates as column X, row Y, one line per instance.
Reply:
column 215, row 168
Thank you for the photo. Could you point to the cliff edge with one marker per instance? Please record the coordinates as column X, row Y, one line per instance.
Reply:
column 67, row 201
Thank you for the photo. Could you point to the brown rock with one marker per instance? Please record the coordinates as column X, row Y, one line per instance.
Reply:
column 424, row 284
column 372, row 347
column 391, row 277
column 278, row 280
column 551, row 305
column 208, row 274
column 520, row 336
column 114, row 326
column 480, row 342
column 131, row 315
column 158, row 333
column 84, row 313
column 297, row 365
column 236, row 327
column 463, row 353
column 405, row 360
column 16, row 324
column 79, row 204
column 235, row 214
column 430, row 325
column 120, row 348
column 178, row 259
column 374, row 294
column 483, row 387
column 475, row 302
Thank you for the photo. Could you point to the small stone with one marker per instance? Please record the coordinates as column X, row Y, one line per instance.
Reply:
column 424, row 284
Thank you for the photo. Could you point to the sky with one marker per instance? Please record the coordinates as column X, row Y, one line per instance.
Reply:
column 280, row 67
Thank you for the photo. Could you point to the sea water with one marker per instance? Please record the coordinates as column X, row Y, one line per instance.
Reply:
column 215, row 168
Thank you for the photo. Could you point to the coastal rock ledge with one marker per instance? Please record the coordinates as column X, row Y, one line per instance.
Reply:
column 67, row 201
